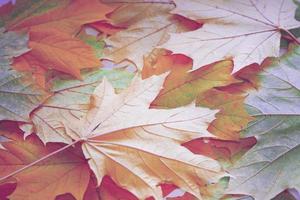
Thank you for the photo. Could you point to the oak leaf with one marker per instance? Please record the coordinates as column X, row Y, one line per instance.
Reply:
column 246, row 31
column 62, row 173
column 265, row 170
column 52, row 49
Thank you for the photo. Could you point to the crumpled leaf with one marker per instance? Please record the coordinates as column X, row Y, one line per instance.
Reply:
column 18, row 93
column 61, row 173
column 272, row 164
column 121, row 130
column 52, row 49
column 148, row 25
column 71, row 100
column 246, row 31
column 182, row 87
column 68, row 18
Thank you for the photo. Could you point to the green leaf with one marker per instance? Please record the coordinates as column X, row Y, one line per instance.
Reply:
column 272, row 165
column 18, row 93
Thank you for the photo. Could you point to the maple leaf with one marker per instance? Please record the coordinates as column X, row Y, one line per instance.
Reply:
column 62, row 173
column 227, row 152
column 247, row 31
column 70, row 101
column 182, row 87
column 265, row 170
column 68, row 18
column 15, row 12
column 52, row 49
column 148, row 25
column 121, row 130
column 232, row 117
column 119, row 145
column 160, row 61
column 18, row 94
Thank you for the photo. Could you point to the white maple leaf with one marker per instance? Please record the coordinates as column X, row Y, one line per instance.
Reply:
column 246, row 30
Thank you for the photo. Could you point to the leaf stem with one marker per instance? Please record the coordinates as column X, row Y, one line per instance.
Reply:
column 292, row 36
column 39, row 160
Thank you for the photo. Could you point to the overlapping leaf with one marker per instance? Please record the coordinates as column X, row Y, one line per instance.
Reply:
column 68, row 18
column 52, row 49
column 62, row 173
column 148, row 25
column 71, row 101
column 272, row 164
column 247, row 31
column 18, row 93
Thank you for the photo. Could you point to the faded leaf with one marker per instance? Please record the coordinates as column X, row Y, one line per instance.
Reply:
column 272, row 164
column 64, row 172
column 148, row 25
column 71, row 101
column 121, row 145
column 120, row 131
column 68, row 18
column 52, row 49
column 247, row 31
column 18, row 93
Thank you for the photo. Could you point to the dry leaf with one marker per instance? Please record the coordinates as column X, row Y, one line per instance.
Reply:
column 148, row 25
column 247, row 31
column 52, row 49
column 68, row 18
column 62, row 173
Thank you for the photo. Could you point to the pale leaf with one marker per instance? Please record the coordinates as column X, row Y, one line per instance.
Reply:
column 272, row 165
column 248, row 31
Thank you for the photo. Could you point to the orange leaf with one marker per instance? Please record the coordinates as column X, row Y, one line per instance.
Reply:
column 162, row 60
column 68, row 19
column 52, row 49
column 231, row 118
column 62, row 173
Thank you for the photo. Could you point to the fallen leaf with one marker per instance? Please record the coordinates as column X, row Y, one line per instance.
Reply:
column 160, row 61
column 61, row 173
column 52, row 49
column 68, row 18
column 21, row 9
column 265, row 170
column 148, row 25
column 227, row 152
column 71, row 101
column 247, row 32
column 18, row 93
column 108, row 189
column 182, row 87
column 106, row 28
column 107, row 142
column 231, row 118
